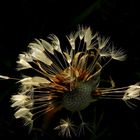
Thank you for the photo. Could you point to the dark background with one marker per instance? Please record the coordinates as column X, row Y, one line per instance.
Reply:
column 22, row 21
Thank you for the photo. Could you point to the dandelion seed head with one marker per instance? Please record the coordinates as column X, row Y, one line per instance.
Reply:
column 62, row 77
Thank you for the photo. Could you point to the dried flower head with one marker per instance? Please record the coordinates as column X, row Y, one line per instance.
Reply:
column 66, row 76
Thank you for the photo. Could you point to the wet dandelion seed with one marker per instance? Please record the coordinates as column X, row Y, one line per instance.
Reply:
column 66, row 78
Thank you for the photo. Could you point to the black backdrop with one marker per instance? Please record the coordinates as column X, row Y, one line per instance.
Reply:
column 22, row 21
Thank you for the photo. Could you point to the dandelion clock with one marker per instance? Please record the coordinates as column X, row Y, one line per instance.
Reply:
column 66, row 76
